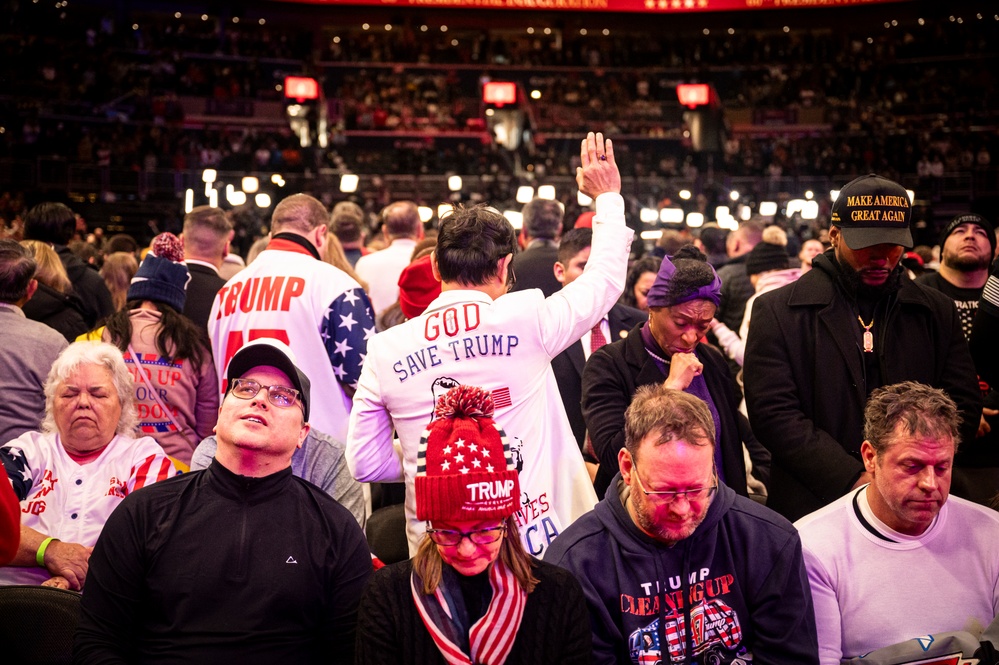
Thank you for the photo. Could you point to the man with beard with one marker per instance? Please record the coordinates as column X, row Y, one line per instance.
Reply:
column 820, row 346
column 967, row 246
column 670, row 546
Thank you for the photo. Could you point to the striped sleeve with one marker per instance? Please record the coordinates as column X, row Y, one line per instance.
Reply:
column 990, row 296
column 150, row 469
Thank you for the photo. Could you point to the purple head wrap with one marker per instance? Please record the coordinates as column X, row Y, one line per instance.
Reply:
column 659, row 293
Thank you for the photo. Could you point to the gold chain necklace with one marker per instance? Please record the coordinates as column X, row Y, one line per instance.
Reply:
column 868, row 335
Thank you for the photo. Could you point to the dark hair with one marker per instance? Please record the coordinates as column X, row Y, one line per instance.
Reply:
column 638, row 268
column 671, row 414
column 922, row 410
column 401, row 220
column 713, row 238
column 17, row 268
column 573, row 243
column 470, row 243
column 179, row 338
column 50, row 222
column 121, row 242
column 347, row 221
column 692, row 272
column 543, row 218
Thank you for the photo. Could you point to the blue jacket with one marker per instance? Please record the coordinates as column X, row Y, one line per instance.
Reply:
column 739, row 580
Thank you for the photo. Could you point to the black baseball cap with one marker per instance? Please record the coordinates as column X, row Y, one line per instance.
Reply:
column 871, row 210
column 273, row 353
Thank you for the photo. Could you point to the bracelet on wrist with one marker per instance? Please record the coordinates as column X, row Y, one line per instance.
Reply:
column 40, row 555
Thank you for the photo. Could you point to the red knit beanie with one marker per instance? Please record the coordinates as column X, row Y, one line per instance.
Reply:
column 417, row 287
column 464, row 469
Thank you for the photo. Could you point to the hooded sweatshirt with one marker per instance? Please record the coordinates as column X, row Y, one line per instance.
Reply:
column 739, row 580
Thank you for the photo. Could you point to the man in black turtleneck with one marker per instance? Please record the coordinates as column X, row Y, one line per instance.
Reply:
column 819, row 346
column 240, row 562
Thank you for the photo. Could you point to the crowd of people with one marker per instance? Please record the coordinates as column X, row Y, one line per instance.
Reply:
column 737, row 448
column 841, row 102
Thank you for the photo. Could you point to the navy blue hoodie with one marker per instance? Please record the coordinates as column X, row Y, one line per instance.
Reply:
column 739, row 580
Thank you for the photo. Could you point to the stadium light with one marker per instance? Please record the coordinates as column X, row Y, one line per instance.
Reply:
column 349, row 182
column 671, row 216
column 546, row 192
column 515, row 218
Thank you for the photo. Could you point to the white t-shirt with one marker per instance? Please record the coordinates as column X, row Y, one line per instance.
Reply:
column 873, row 587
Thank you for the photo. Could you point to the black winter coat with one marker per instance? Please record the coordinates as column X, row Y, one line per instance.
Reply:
column 805, row 383
column 610, row 379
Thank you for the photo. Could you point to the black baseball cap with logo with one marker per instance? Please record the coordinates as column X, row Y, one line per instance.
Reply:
column 871, row 210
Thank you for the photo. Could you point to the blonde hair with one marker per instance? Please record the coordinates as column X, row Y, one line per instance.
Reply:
column 333, row 255
column 774, row 235
column 50, row 271
column 428, row 563
column 118, row 270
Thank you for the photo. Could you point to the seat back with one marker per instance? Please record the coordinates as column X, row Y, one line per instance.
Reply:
column 37, row 624
column 386, row 532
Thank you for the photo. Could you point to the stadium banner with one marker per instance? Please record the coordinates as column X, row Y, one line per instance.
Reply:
column 657, row 6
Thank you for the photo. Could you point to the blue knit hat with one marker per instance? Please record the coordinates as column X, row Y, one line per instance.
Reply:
column 162, row 277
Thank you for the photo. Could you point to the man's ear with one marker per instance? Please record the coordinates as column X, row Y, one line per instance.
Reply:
column 625, row 464
column 303, row 434
column 868, row 455
column 834, row 236
column 32, row 287
column 433, row 266
column 559, row 272
column 503, row 267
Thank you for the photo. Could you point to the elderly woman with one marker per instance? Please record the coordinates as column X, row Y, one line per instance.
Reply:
column 471, row 594
column 70, row 476
column 668, row 349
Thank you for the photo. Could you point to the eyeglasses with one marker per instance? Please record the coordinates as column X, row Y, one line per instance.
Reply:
column 449, row 538
column 281, row 396
column 692, row 495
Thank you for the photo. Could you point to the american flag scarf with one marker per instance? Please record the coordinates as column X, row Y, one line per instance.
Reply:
column 490, row 638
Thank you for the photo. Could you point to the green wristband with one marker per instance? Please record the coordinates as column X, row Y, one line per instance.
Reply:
column 40, row 555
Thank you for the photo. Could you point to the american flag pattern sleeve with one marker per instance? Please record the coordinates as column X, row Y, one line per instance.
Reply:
column 346, row 327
